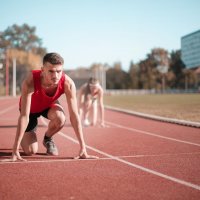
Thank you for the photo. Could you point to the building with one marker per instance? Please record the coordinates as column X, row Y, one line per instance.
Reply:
column 190, row 50
column 80, row 76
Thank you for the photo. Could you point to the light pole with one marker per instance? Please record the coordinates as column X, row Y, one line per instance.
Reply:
column 14, row 77
column 7, row 74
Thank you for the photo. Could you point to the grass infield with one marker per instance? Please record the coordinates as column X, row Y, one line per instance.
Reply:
column 178, row 106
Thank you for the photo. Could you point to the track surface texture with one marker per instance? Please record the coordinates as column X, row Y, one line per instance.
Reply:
column 139, row 159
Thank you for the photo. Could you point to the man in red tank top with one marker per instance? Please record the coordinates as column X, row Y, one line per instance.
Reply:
column 40, row 91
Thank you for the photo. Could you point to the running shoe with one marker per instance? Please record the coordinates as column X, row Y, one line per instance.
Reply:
column 86, row 122
column 51, row 147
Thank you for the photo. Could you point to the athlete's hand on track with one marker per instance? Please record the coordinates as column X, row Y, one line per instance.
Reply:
column 83, row 155
column 15, row 157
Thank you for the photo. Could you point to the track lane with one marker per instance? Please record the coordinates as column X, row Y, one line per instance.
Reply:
column 107, row 178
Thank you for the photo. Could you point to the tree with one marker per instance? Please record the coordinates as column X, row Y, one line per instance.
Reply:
column 133, row 72
column 178, row 68
column 161, row 59
column 149, row 74
column 21, row 38
column 117, row 78
column 22, row 43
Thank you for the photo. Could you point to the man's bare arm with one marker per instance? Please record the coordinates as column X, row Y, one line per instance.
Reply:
column 27, row 89
column 70, row 92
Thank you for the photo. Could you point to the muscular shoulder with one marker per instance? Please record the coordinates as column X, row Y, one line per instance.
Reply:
column 28, row 84
column 69, row 84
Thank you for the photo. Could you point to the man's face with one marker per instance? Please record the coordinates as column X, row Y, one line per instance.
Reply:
column 52, row 73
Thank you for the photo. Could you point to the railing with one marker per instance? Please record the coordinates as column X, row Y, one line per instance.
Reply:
column 151, row 91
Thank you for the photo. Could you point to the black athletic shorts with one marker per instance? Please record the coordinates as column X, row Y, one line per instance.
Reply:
column 33, row 121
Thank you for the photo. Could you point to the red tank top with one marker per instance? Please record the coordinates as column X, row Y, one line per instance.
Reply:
column 39, row 100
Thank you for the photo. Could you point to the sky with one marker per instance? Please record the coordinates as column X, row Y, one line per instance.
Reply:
column 104, row 31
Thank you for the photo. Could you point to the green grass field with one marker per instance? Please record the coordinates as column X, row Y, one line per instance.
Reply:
column 178, row 106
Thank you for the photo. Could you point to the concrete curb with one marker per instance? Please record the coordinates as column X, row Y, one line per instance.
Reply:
column 154, row 117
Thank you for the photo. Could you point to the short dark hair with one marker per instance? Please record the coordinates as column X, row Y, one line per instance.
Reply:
column 53, row 58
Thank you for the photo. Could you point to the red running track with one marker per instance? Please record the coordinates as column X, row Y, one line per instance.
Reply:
column 139, row 159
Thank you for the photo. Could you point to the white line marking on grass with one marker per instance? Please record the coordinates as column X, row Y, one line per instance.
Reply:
column 155, row 117
column 152, row 134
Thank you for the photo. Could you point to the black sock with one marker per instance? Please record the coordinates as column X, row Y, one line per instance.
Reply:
column 46, row 137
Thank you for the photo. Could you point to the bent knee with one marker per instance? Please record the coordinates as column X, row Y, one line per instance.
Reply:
column 60, row 120
column 30, row 152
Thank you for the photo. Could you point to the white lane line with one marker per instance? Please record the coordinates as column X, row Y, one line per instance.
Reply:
column 159, row 155
column 7, row 109
column 152, row 134
column 49, row 159
column 185, row 183
column 182, row 182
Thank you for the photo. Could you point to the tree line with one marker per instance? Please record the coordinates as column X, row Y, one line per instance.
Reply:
column 22, row 43
column 159, row 70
